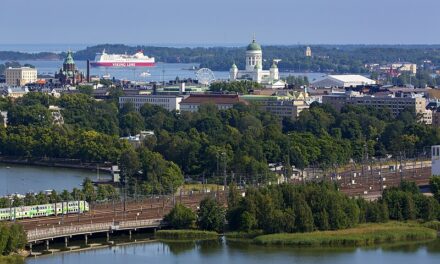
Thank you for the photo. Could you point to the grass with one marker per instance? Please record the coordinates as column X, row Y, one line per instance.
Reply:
column 185, row 234
column 14, row 259
column 244, row 235
column 433, row 225
column 199, row 187
column 363, row 235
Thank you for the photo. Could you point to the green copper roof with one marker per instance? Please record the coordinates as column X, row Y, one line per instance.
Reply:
column 254, row 46
column 69, row 58
column 274, row 65
column 234, row 66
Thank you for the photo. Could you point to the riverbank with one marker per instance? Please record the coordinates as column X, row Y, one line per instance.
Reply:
column 363, row 235
column 59, row 163
column 15, row 259
column 185, row 234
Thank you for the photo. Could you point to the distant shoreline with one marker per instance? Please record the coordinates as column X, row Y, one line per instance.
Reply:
column 54, row 163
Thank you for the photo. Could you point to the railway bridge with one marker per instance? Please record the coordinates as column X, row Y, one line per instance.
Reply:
column 108, row 218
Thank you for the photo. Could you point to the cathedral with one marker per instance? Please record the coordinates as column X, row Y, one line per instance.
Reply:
column 69, row 74
column 254, row 69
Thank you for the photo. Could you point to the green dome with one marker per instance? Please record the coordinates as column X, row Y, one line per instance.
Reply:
column 69, row 58
column 254, row 46
column 274, row 66
column 234, row 66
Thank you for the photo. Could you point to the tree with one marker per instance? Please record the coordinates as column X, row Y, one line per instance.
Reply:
column 131, row 123
column 247, row 221
column 77, row 194
column 304, row 217
column 435, row 186
column 85, row 89
column 41, row 198
column 29, row 199
column 4, row 237
column 233, row 195
column 180, row 217
column 65, row 196
column 101, row 193
column 17, row 239
column 54, row 197
column 129, row 164
column 211, row 215
column 89, row 190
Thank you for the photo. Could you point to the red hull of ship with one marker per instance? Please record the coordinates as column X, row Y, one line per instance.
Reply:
column 122, row 64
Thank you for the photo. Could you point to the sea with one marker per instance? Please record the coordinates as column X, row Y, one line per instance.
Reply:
column 162, row 72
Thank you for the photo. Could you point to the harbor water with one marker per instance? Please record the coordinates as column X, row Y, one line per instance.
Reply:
column 221, row 252
column 22, row 179
column 159, row 73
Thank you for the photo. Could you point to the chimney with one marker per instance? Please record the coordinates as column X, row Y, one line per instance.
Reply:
column 182, row 87
column 88, row 71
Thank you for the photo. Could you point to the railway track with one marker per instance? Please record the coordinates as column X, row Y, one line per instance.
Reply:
column 114, row 212
column 367, row 183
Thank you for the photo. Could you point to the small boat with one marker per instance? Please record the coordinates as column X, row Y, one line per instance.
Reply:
column 106, row 76
column 145, row 74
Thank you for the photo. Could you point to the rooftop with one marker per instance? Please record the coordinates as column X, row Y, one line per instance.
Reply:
column 351, row 78
column 254, row 46
column 213, row 98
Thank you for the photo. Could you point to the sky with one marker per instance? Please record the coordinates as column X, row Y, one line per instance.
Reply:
column 219, row 22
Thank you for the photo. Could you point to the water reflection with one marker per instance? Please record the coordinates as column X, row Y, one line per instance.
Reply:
column 222, row 251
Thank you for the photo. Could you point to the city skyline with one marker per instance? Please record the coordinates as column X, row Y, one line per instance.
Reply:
column 227, row 22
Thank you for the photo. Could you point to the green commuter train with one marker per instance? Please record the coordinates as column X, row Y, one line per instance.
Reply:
column 31, row 211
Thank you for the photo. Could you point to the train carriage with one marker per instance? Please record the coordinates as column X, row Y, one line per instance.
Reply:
column 41, row 210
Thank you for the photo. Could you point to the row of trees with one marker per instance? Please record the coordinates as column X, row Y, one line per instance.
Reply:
column 210, row 216
column 60, row 142
column 288, row 208
column 305, row 208
column 422, row 78
column 366, row 131
column 242, row 139
column 12, row 238
column 297, row 81
column 407, row 203
column 104, row 192
column 241, row 87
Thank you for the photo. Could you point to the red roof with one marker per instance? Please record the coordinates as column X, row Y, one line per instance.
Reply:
column 217, row 99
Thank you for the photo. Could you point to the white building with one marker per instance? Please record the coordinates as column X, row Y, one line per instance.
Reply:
column 342, row 81
column 254, row 69
column 308, row 52
column 16, row 92
column 169, row 102
column 20, row 76
column 435, row 158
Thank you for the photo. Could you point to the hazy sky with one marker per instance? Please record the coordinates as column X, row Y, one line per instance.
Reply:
column 220, row 21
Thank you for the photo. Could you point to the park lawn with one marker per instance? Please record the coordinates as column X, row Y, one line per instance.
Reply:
column 363, row 235
column 185, row 234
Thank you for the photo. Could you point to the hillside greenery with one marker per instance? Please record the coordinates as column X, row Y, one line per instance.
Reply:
column 208, row 143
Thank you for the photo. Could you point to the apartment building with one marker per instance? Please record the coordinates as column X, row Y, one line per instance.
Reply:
column 20, row 76
column 169, row 102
